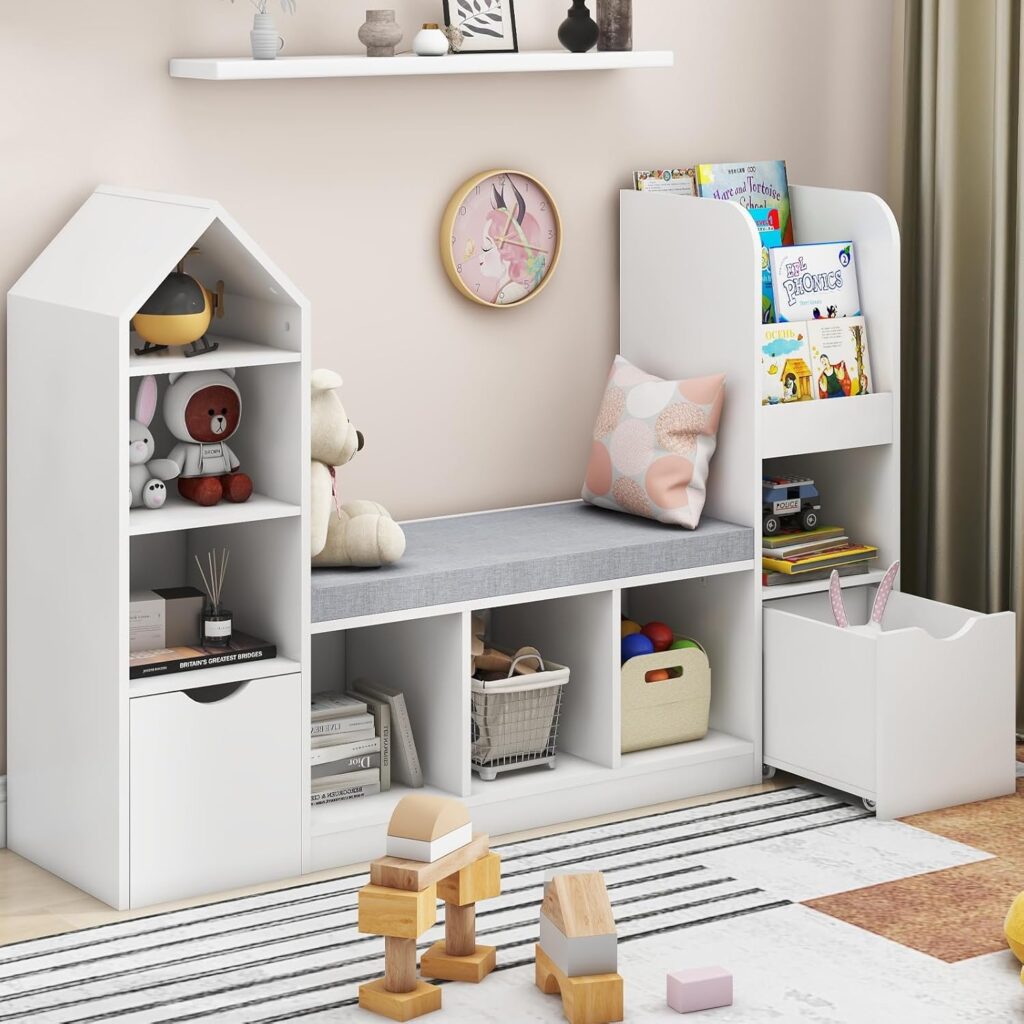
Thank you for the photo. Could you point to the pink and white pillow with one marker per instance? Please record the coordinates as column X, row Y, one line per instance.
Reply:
column 653, row 442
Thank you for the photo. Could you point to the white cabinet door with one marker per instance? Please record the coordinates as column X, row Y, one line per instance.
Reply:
column 215, row 788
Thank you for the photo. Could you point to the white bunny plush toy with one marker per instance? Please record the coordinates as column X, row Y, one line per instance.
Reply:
column 146, row 475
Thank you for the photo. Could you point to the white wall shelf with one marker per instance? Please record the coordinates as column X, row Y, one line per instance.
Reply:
column 222, row 69
column 179, row 514
column 232, row 353
column 216, row 676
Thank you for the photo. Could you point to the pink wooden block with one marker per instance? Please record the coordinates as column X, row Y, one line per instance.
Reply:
column 699, row 988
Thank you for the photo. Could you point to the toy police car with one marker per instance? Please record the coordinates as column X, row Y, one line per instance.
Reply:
column 784, row 497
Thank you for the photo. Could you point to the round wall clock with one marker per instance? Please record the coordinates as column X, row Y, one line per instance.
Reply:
column 501, row 237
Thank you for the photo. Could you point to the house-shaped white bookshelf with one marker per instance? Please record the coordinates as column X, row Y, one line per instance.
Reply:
column 103, row 772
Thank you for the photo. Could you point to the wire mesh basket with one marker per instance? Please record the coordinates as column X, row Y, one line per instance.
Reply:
column 514, row 721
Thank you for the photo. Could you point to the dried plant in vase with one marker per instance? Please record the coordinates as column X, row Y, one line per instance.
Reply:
column 266, row 43
column 216, row 618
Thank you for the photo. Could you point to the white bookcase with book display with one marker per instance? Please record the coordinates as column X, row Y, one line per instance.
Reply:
column 179, row 784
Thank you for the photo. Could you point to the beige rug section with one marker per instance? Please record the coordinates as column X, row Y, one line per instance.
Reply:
column 954, row 914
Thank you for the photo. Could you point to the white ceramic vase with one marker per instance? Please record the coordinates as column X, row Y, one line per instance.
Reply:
column 430, row 41
column 266, row 43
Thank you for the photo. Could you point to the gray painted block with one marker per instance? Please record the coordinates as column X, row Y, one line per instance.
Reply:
column 579, row 957
column 517, row 551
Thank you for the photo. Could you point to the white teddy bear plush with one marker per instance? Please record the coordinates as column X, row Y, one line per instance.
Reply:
column 357, row 533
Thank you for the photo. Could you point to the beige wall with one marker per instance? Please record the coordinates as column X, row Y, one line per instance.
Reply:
column 343, row 183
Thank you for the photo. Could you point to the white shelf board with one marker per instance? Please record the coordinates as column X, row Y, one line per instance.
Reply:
column 569, row 773
column 221, row 69
column 866, row 579
column 828, row 425
column 239, row 672
column 232, row 353
column 179, row 514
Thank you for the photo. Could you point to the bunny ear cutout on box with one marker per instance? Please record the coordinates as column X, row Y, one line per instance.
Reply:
column 145, row 401
column 884, row 593
column 835, row 593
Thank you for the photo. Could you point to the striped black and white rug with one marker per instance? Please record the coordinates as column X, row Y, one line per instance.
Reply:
column 295, row 952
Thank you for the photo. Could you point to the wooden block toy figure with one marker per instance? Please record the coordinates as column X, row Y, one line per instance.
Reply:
column 432, row 853
column 578, row 951
column 699, row 988
column 427, row 828
column 202, row 410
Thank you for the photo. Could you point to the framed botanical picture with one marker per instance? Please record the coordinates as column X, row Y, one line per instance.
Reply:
column 487, row 26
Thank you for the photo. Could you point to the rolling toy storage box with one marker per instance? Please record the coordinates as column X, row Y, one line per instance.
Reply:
column 676, row 710
column 918, row 717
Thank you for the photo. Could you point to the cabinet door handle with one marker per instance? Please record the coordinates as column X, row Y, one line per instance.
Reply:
column 213, row 694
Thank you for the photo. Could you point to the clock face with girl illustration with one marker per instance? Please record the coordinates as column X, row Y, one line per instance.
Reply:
column 500, row 238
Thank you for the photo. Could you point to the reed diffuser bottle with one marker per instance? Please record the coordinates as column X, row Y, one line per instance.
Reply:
column 216, row 618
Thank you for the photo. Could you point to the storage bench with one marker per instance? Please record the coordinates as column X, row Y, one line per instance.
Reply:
column 918, row 717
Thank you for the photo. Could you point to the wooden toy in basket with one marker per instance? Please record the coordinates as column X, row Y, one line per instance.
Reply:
column 670, row 710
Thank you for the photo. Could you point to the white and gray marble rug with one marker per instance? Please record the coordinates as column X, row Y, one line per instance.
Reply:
column 716, row 883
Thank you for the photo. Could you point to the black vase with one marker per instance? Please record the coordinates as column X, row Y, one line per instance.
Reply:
column 578, row 33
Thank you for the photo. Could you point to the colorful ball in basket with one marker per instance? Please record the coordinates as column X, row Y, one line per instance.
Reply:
column 660, row 634
column 629, row 626
column 683, row 645
column 635, row 645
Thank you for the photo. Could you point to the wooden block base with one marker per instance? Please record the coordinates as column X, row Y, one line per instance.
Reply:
column 594, row 999
column 436, row 963
column 424, row 998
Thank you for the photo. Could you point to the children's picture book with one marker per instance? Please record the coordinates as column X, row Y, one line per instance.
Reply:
column 839, row 357
column 786, row 374
column 678, row 181
column 768, row 228
column 756, row 185
column 770, row 578
column 814, row 282
column 787, row 537
column 829, row 558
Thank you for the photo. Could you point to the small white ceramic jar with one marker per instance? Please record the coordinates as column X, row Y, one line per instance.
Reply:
column 430, row 41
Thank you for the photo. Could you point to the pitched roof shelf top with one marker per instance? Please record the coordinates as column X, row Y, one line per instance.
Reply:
column 357, row 66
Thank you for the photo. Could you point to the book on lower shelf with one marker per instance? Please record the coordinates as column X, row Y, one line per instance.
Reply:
column 804, row 555
column 770, row 578
column 405, row 762
column 329, row 785
column 191, row 658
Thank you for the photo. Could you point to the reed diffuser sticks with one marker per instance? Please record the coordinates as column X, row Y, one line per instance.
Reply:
column 218, row 566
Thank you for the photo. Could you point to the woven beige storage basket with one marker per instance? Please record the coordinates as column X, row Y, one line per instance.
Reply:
column 670, row 711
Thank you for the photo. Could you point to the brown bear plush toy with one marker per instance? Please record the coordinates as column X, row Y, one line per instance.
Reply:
column 202, row 410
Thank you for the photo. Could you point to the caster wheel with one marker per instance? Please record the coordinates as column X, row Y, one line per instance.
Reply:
column 869, row 804
column 551, row 764
column 767, row 771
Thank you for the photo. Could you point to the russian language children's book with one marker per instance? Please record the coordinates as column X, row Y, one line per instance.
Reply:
column 786, row 374
column 839, row 357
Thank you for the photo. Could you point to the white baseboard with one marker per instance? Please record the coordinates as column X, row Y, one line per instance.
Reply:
column 3, row 811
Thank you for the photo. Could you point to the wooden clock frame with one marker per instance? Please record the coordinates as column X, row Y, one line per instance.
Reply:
column 447, row 230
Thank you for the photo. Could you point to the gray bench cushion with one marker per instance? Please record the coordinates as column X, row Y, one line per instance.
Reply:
column 517, row 551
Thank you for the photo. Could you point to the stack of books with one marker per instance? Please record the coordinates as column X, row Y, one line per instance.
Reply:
column 350, row 757
column 800, row 556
